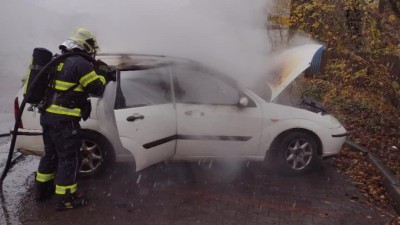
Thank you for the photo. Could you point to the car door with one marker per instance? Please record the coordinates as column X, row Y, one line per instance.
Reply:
column 145, row 115
column 210, row 121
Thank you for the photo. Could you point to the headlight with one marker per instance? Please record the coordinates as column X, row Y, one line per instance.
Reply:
column 332, row 120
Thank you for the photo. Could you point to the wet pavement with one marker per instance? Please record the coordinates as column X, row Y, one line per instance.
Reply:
column 196, row 193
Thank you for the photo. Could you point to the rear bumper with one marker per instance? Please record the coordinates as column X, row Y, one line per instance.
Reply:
column 29, row 142
column 30, row 152
column 27, row 133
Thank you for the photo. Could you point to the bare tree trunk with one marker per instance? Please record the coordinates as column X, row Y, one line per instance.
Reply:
column 382, row 4
column 293, row 27
column 395, row 4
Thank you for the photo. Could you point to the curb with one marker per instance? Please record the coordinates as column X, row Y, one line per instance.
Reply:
column 390, row 181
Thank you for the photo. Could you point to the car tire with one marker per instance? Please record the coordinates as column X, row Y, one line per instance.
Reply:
column 96, row 154
column 296, row 153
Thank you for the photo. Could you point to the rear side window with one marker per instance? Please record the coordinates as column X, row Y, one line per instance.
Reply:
column 139, row 88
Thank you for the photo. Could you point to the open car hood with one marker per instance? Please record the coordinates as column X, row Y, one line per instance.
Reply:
column 292, row 63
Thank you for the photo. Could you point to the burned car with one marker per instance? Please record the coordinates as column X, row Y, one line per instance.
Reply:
column 164, row 108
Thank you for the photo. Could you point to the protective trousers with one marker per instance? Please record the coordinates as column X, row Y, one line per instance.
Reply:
column 61, row 159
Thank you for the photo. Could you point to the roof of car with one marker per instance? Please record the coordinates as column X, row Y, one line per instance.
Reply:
column 132, row 61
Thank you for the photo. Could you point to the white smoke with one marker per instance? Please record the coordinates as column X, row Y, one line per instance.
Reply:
column 226, row 34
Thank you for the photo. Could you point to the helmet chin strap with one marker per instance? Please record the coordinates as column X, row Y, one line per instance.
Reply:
column 93, row 54
column 83, row 51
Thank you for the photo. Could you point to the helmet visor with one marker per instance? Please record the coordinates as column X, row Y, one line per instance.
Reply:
column 69, row 45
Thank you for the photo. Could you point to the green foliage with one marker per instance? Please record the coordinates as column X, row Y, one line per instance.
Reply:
column 317, row 89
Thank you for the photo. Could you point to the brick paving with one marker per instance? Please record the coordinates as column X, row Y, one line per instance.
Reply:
column 217, row 193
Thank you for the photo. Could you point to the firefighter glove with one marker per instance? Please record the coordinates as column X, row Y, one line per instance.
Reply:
column 104, row 70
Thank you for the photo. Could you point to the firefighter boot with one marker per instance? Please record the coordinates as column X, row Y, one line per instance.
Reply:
column 71, row 201
column 44, row 190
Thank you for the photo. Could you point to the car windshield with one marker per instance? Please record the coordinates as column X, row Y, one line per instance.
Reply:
column 292, row 95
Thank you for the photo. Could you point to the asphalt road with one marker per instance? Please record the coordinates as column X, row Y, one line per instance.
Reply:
column 196, row 193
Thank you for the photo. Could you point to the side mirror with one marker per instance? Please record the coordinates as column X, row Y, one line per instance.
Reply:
column 243, row 102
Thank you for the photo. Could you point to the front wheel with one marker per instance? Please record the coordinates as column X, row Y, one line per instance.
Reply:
column 297, row 152
column 96, row 154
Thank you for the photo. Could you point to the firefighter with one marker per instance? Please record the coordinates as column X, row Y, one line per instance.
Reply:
column 65, row 104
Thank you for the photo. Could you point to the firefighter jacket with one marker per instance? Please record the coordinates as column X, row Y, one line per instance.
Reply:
column 74, row 79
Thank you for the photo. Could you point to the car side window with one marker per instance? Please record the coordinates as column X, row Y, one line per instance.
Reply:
column 139, row 88
column 196, row 86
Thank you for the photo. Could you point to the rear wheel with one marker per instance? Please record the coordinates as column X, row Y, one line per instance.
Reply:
column 296, row 152
column 96, row 154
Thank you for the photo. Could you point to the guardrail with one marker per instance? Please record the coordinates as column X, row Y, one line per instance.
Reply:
column 390, row 181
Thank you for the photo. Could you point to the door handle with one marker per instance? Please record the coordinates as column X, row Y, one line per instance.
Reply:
column 134, row 117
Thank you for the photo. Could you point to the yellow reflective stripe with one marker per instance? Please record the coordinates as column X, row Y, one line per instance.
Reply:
column 60, row 66
column 79, row 88
column 102, row 79
column 63, row 85
column 88, row 78
column 26, row 84
column 43, row 177
column 56, row 109
column 62, row 190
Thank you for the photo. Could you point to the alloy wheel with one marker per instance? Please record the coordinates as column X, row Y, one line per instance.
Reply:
column 299, row 154
column 91, row 157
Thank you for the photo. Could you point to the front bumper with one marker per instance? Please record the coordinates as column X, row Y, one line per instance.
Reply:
column 340, row 135
column 332, row 144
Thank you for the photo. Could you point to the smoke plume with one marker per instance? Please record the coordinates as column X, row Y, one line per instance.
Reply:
column 226, row 34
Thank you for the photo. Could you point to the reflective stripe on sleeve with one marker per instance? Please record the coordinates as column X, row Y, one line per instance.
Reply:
column 56, row 109
column 102, row 79
column 88, row 78
column 79, row 88
column 62, row 190
column 43, row 177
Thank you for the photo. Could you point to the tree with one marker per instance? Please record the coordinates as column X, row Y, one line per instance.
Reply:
column 395, row 4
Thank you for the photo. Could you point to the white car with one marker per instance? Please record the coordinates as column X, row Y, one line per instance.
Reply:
column 164, row 108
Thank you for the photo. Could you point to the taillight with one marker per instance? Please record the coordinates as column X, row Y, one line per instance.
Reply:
column 16, row 112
